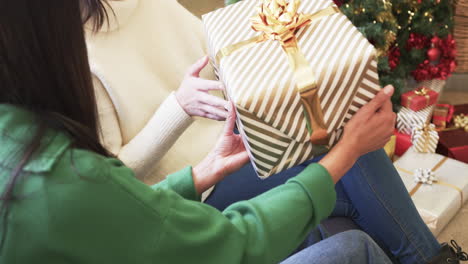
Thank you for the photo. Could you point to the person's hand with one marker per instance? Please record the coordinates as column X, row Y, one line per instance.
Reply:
column 193, row 95
column 372, row 126
column 368, row 130
column 227, row 156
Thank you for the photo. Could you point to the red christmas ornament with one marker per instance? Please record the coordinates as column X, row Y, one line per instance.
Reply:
column 417, row 41
column 433, row 54
column 435, row 40
column 440, row 62
column 394, row 57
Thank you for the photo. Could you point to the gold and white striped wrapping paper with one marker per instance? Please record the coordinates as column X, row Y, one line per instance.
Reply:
column 261, row 84
column 407, row 119
column 422, row 142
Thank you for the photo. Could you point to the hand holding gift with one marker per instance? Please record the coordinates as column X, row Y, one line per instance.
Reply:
column 369, row 129
column 227, row 156
column 373, row 123
column 193, row 94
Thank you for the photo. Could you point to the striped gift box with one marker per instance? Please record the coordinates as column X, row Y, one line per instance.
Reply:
column 425, row 138
column 407, row 119
column 260, row 81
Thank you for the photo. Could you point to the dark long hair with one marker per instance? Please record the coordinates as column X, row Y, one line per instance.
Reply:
column 44, row 68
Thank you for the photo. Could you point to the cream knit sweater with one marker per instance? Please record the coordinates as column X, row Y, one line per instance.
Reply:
column 138, row 61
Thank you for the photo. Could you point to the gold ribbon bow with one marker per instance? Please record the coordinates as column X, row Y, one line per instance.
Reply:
column 423, row 91
column 437, row 166
column 278, row 20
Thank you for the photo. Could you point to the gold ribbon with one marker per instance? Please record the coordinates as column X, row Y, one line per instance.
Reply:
column 420, row 92
column 437, row 166
column 425, row 134
column 278, row 20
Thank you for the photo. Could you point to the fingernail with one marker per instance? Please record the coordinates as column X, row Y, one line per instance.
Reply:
column 227, row 106
column 221, row 86
column 388, row 89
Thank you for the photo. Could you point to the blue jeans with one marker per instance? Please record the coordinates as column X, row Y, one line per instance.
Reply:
column 345, row 248
column 372, row 194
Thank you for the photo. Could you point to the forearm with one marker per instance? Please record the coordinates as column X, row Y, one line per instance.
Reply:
column 156, row 138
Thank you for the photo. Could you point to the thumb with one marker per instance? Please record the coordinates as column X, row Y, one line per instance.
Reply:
column 379, row 100
column 196, row 68
column 230, row 120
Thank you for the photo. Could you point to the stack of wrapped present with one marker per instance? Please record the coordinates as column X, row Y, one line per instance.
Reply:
column 437, row 182
column 413, row 127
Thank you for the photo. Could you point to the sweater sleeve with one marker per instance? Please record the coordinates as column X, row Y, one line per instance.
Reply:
column 180, row 182
column 152, row 142
column 265, row 229
column 131, row 222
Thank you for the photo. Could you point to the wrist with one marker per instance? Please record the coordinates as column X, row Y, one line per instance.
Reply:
column 204, row 174
column 180, row 101
column 339, row 160
column 349, row 148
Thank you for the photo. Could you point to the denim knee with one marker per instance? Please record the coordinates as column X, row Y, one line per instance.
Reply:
column 358, row 237
column 350, row 247
column 356, row 241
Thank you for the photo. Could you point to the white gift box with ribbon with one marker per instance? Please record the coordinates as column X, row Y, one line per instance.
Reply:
column 437, row 203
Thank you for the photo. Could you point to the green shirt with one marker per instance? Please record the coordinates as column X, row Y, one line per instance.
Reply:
column 75, row 206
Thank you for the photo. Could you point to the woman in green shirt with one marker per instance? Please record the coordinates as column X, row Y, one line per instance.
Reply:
column 64, row 199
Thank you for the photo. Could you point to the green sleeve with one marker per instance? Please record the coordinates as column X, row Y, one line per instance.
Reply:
column 121, row 220
column 265, row 229
column 180, row 182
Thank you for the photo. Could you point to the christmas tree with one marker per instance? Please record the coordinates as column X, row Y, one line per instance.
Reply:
column 425, row 48
column 376, row 21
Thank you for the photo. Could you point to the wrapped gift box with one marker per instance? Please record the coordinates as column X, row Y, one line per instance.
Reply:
column 403, row 143
column 425, row 138
column 443, row 114
column 461, row 109
column 439, row 202
column 390, row 147
column 295, row 82
column 407, row 119
column 454, row 142
column 418, row 99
